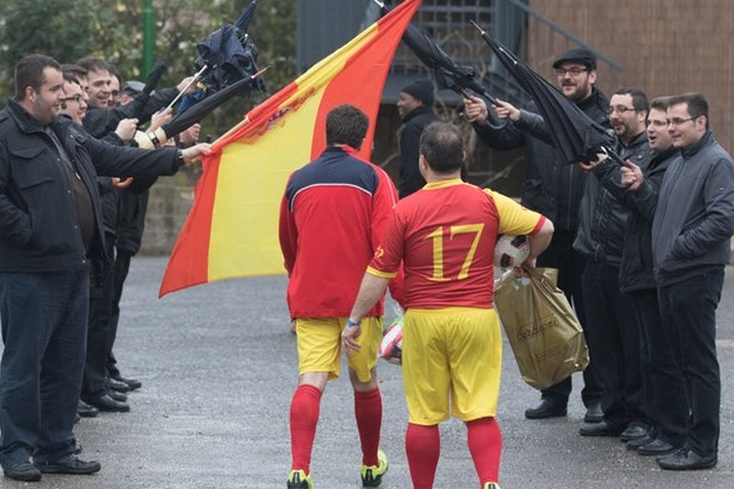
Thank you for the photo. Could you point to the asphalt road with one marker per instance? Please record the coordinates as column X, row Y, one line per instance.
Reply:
column 218, row 366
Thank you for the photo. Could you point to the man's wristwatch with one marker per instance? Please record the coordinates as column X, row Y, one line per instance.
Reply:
column 352, row 324
column 180, row 158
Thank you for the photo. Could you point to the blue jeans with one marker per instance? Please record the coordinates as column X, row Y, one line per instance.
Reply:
column 44, row 322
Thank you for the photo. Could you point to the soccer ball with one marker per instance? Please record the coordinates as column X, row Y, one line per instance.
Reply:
column 391, row 346
column 511, row 250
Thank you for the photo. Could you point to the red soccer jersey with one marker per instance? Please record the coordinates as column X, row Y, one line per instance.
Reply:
column 332, row 217
column 445, row 235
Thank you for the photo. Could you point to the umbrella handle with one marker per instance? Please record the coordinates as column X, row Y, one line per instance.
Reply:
column 611, row 154
column 193, row 80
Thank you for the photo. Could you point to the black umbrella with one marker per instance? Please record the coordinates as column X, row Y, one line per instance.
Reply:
column 446, row 72
column 226, row 56
column 576, row 136
column 194, row 114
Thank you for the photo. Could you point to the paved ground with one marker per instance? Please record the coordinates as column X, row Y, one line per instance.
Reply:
column 218, row 367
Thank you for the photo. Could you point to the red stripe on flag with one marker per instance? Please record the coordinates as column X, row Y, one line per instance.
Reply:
column 189, row 262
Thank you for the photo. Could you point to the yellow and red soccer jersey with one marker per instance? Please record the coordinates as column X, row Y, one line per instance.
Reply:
column 445, row 235
column 332, row 217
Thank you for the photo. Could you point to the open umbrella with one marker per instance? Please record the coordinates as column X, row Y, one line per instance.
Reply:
column 577, row 137
column 226, row 56
column 193, row 114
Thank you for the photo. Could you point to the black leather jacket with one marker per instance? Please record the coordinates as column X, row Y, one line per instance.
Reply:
column 38, row 223
column 603, row 218
column 551, row 187
column 636, row 269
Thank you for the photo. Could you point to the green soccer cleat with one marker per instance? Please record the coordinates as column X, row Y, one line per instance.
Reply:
column 371, row 475
column 298, row 479
column 491, row 485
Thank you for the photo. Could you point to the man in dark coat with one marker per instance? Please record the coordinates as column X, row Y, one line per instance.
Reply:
column 415, row 107
column 662, row 383
column 691, row 244
column 554, row 188
column 50, row 228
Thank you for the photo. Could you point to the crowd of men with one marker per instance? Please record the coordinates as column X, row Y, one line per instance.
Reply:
column 67, row 157
column 640, row 249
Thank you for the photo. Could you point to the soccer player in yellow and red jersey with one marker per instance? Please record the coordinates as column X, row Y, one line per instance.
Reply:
column 332, row 217
column 444, row 235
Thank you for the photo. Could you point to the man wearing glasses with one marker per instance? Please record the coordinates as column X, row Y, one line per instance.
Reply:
column 554, row 188
column 614, row 336
column 691, row 232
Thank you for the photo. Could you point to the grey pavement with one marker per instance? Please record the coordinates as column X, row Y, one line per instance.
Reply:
column 218, row 366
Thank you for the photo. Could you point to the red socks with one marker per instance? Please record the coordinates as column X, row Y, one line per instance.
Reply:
column 485, row 445
column 368, row 413
column 423, row 447
column 304, row 417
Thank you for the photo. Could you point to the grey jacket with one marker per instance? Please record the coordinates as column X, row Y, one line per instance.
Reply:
column 694, row 219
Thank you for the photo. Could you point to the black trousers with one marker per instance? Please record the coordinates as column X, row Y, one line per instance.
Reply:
column 688, row 309
column 614, row 344
column 121, row 269
column 94, row 384
column 570, row 265
column 663, row 382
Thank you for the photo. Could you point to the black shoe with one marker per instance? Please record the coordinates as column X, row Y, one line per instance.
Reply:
column 634, row 431
column 106, row 403
column 635, row 444
column 657, row 447
column 118, row 386
column 686, row 459
column 117, row 396
column 85, row 410
column 602, row 428
column 546, row 409
column 24, row 471
column 132, row 383
column 69, row 465
column 594, row 412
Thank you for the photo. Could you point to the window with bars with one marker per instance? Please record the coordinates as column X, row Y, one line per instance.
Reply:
column 447, row 23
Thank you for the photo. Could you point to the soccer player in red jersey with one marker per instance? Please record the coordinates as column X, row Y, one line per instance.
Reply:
column 444, row 235
column 334, row 212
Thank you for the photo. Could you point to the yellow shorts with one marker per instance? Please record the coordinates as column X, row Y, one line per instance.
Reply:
column 319, row 346
column 456, row 352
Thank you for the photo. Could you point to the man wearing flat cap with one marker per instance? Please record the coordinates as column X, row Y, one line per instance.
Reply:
column 554, row 188
column 415, row 107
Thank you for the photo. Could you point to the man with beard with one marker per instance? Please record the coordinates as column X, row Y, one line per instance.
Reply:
column 614, row 335
column 638, row 191
column 554, row 188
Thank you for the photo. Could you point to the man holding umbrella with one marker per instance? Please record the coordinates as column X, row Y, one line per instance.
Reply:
column 554, row 188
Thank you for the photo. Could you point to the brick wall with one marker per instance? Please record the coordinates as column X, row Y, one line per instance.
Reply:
column 665, row 47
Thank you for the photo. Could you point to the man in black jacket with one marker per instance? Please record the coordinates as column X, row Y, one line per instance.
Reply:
column 554, row 188
column 691, row 234
column 614, row 336
column 50, row 227
column 662, row 382
column 415, row 107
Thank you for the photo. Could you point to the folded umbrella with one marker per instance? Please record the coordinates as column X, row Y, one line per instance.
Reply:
column 194, row 114
column 574, row 134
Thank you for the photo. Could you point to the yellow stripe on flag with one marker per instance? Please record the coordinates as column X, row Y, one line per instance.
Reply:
column 232, row 230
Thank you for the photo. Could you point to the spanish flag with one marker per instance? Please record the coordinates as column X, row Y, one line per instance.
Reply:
column 232, row 229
